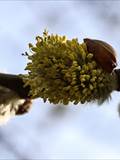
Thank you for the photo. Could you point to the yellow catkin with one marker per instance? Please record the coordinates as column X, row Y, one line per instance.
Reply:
column 62, row 71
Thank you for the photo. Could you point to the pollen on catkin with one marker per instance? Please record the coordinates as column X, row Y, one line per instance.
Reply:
column 62, row 71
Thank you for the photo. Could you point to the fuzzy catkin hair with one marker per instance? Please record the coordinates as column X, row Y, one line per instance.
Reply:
column 62, row 71
column 9, row 104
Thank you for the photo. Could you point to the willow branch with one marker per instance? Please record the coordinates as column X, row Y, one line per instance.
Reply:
column 15, row 83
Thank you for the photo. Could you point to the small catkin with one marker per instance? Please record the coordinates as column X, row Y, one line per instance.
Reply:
column 62, row 71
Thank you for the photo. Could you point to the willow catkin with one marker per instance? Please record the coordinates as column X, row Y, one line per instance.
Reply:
column 62, row 71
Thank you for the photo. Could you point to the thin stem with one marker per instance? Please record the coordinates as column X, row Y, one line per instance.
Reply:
column 15, row 83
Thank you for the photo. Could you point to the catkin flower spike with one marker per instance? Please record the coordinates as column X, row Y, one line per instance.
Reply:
column 63, row 71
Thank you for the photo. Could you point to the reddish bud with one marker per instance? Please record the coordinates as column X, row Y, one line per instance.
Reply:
column 104, row 53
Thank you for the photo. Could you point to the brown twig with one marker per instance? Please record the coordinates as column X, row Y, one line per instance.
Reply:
column 15, row 83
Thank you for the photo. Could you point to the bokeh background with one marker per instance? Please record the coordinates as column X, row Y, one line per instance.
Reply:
column 49, row 131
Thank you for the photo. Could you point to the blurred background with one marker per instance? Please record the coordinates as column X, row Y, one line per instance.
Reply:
column 49, row 131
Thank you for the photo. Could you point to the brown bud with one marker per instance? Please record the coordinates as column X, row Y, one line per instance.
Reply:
column 25, row 107
column 104, row 53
